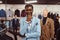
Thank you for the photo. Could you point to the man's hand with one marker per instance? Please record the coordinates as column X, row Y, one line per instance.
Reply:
column 22, row 35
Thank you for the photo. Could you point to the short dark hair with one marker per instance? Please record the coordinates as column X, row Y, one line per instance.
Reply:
column 29, row 5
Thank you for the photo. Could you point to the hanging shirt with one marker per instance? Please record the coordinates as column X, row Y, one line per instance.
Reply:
column 2, row 13
column 9, row 13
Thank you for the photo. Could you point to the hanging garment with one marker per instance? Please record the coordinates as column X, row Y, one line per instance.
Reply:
column 9, row 13
column 15, row 23
column 17, row 12
column 58, row 34
column 2, row 13
column 47, row 29
column 23, row 14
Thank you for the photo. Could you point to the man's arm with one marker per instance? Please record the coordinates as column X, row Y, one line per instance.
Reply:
column 22, row 27
column 35, row 34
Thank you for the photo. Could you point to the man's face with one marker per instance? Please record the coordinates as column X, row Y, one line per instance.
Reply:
column 28, row 10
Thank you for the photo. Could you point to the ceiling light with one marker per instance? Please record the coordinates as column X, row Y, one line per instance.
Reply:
column 0, row 1
column 30, row 1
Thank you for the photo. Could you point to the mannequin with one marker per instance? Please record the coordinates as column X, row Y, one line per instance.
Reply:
column 15, row 25
column 47, row 26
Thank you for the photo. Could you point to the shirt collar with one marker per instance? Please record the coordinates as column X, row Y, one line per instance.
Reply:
column 29, row 21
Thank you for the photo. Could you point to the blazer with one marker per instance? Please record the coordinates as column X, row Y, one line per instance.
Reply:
column 2, row 13
column 58, row 34
column 47, row 29
column 15, row 23
column 32, row 33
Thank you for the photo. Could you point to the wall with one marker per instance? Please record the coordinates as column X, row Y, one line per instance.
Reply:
column 38, row 9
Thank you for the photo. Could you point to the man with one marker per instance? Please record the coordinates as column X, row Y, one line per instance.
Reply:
column 30, row 28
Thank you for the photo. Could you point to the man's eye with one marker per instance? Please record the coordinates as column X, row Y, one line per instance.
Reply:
column 28, row 10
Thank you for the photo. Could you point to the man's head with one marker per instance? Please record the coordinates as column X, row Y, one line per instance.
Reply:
column 29, row 9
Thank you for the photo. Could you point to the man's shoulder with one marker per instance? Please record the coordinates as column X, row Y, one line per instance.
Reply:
column 37, row 19
column 22, row 18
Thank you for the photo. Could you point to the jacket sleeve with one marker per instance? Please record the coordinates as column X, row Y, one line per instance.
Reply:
column 52, row 28
column 22, row 28
column 35, row 34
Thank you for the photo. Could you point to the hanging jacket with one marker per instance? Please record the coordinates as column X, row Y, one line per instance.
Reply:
column 17, row 12
column 2, row 13
column 15, row 23
column 23, row 14
column 47, row 29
